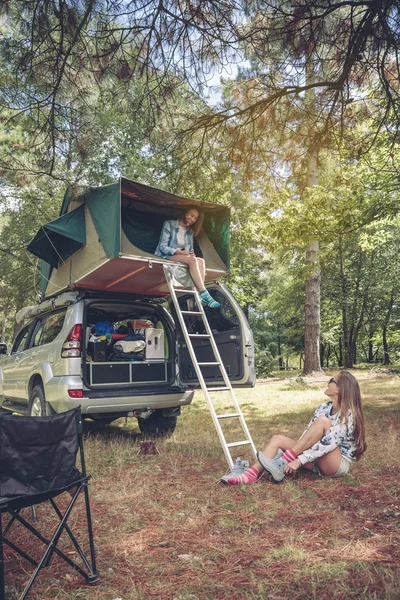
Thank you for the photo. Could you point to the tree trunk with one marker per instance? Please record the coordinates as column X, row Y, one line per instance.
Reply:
column 280, row 359
column 3, row 326
column 328, row 355
column 370, row 352
column 322, row 353
column 348, row 357
column 353, row 352
column 386, row 357
column 312, row 312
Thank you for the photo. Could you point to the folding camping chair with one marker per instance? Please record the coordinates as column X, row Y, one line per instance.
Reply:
column 37, row 464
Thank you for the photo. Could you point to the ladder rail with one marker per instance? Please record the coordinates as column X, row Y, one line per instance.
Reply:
column 221, row 368
column 218, row 362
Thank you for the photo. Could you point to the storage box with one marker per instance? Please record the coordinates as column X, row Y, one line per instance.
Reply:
column 154, row 344
column 97, row 351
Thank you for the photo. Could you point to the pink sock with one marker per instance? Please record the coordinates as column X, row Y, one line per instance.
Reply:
column 289, row 455
column 250, row 476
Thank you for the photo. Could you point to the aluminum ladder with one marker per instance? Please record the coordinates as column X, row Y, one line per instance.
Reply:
column 237, row 413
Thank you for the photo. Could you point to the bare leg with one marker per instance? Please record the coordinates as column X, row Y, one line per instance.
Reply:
column 314, row 433
column 202, row 268
column 276, row 442
column 192, row 263
column 328, row 464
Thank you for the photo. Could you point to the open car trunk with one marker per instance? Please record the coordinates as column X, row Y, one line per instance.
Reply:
column 127, row 345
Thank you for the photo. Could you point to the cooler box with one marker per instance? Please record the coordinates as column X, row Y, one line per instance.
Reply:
column 97, row 351
column 154, row 343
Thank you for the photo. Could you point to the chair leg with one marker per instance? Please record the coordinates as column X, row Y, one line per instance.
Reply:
column 96, row 576
column 52, row 547
column 34, row 515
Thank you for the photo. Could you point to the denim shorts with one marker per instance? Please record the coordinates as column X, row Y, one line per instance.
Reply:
column 344, row 468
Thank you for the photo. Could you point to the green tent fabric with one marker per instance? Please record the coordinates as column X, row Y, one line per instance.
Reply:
column 217, row 228
column 104, row 204
column 142, row 229
column 58, row 240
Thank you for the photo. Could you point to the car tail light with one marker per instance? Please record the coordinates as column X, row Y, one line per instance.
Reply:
column 75, row 393
column 72, row 347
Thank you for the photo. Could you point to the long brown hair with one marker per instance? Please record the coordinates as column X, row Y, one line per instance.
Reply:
column 196, row 227
column 350, row 400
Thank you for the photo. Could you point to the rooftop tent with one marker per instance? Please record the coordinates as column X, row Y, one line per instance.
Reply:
column 123, row 223
column 58, row 240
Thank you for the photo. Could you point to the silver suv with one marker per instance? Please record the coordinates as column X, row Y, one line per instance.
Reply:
column 59, row 360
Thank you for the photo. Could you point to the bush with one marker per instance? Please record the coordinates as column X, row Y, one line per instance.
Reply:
column 265, row 362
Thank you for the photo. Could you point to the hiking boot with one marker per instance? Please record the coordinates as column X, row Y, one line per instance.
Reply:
column 239, row 467
column 278, row 454
column 274, row 466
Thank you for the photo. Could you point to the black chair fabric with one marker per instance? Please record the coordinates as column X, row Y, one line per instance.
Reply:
column 37, row 455
column 38, row 458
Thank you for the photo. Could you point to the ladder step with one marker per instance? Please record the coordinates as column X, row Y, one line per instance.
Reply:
column 233, row 444
column 218, row 389
column 199, row 335
column 190, row 312
column 209, row 364
column 228, row 416
column 184, row 291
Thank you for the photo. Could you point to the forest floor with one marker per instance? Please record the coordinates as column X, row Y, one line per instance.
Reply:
column 165, row 529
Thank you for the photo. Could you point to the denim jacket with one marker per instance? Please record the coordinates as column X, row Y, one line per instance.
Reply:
column 169, row 239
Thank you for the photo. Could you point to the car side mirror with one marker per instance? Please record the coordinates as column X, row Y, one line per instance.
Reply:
column 3, row 349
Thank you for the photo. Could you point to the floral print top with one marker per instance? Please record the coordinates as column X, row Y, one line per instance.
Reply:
column 339, row 435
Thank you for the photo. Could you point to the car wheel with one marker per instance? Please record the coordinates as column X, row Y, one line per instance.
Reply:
column 38, row 407
column 157, row 425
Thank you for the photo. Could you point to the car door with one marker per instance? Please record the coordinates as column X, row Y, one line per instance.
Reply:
column 232, row 335
column 28, row 359
column 10, row 365
column 38, row 351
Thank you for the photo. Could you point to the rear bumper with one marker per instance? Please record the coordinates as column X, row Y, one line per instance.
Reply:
column 111, row 401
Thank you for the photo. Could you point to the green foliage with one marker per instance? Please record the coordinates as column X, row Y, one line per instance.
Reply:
column 265, row 362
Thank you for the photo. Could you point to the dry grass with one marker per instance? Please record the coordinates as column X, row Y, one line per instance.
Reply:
column 165, row 530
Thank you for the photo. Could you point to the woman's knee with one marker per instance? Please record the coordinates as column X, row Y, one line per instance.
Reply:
column 278, row 439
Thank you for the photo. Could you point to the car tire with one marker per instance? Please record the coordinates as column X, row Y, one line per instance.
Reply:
column 157, row 425
column 38, row 407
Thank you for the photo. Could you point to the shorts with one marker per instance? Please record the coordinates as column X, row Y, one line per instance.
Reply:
column 344, row 468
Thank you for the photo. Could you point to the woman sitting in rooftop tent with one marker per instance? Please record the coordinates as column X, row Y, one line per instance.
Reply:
column 176, row 244
column 332, row 441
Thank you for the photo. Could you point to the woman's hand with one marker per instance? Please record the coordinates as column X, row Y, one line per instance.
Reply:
column 292, row 467
column 182, row 253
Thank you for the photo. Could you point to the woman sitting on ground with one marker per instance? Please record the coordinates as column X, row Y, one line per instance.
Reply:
column 333, row 439
column 176, row 244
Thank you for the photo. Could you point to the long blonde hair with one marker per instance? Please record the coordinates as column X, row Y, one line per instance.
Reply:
column 350, row 400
